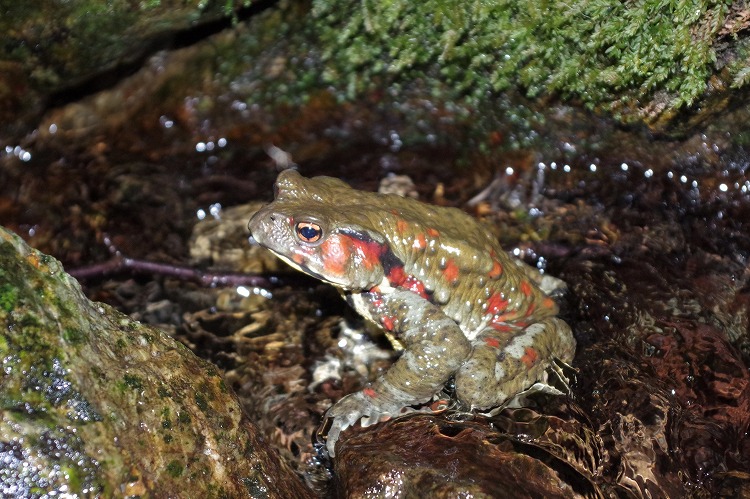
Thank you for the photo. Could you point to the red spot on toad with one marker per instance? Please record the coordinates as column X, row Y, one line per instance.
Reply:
column 530, row 356
column 450, row 272
column 496, row 303
column 401, row 226
column 497, row 270
column 388, row 323
column 336, row 251
column 370, row 392
column 416, row 286
column 526, row 288
column 432, row 232
column 492, row 342
column 420, row 242
column 366, row 253
column 397, row 278
column 530, row 310
column 502, row 327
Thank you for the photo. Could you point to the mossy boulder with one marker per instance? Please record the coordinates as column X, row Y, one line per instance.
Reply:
column 669, row 65
column 639, row 61
column 96, row 404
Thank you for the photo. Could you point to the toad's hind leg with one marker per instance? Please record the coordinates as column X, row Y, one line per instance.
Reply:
column 503, row 364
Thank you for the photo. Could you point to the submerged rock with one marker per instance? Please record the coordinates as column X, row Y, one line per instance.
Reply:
column 94, row 403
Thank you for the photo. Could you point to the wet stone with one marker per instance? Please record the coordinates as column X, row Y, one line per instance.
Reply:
column 430, row 456
column 96, row 404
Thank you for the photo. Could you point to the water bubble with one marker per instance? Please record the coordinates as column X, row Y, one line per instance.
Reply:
column 53, row 129
column 215, row 210
column 541, row 264
column 723, row 187
column 222, row 142
column 648, row 173
column 166, row 122
column 592, row 167
column 239, row 105
column 201, row 214
column 509, row 170
column 624, row 167
column 200, row 146
column 396, row 142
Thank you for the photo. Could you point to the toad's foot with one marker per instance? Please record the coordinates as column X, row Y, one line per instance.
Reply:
column 350, row 409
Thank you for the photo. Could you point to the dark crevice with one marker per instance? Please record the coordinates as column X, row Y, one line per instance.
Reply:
column 168, row 40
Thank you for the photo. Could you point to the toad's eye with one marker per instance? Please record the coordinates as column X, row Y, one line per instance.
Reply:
column 309, row 232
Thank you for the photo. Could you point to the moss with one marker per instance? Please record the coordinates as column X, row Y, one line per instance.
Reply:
column 133, row 382
column 201, row 402
column 73, row 335
column 8, row 297
column 175, row 469
column 608, row 54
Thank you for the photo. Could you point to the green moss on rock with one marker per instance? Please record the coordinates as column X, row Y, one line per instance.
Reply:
column 635, row 59
column 84, row 416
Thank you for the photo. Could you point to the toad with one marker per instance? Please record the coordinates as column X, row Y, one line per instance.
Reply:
column 434, row 279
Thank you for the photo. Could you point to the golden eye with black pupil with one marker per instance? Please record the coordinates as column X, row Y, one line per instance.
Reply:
column 308, row 232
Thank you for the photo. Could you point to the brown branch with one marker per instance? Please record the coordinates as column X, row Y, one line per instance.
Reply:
column 119, row 263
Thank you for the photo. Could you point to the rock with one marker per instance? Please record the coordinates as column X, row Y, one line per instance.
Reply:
column 96, row 404
column 223, row 243
column 52, row 49
column 429, row 456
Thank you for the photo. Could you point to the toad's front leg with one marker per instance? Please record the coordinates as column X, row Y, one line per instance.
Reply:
column 435, row 347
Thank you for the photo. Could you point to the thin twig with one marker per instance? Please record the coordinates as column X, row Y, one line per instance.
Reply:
column 119, row 263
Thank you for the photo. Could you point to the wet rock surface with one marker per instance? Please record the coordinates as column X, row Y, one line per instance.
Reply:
column 430, row 456
column 96, row 404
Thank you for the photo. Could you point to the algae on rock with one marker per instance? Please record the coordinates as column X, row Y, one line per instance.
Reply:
column 96, row 404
